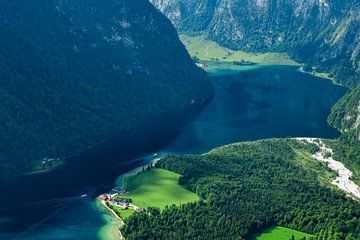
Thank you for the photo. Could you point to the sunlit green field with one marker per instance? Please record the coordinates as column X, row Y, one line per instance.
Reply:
column 207, row 50
column 282, row 233
column 123, row 213
column 158, row 188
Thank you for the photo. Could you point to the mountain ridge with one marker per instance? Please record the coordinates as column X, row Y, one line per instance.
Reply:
column 324, row 34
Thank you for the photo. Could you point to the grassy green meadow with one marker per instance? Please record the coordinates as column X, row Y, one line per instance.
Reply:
column 318, row 74
column 281, row 233
column 207, row 50
column 158, row 188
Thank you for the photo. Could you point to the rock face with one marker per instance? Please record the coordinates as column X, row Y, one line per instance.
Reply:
column 323, row 33
column 75, row 72
column 345, row 115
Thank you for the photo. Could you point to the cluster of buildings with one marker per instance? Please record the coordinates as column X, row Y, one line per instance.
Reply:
column 119, row 202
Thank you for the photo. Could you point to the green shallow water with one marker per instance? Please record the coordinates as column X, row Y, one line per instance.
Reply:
column 226, row 68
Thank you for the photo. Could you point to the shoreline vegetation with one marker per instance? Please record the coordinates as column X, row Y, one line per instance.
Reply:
column 203, row 50
column 136, row 179
column 320, row 75
column 44, row 166
column 115, row 223
column 314, row 73
column 143, row 188
column 246, row 61
column 253, row 175
column 122, row 181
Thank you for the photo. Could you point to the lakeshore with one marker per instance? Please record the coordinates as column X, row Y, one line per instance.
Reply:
column 113, row 222
column 120, row 190
column 207, row 52
column 140, row 189
column 204, row 135
column 262, row 114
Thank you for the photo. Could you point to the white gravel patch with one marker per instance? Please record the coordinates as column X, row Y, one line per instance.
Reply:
column 343, row 181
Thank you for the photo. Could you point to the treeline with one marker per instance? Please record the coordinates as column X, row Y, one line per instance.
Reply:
column 75, row 73
column 345, row 116
column 246, row 188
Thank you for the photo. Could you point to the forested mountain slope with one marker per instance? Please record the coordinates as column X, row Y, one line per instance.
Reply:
column 248, row 187
column 345, row 115
column 322, row 33
column 75, row 72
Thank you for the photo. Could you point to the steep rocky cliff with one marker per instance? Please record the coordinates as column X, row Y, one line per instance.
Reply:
column 75, row 72
column 322, row 33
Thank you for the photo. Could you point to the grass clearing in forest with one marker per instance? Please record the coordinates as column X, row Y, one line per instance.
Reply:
column 158, row 188
column 282, row 233
column 123, row 213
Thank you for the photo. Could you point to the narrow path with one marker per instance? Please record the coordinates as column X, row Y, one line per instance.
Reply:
column 343, row 181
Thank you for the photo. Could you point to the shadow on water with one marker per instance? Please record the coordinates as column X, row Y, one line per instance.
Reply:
column 30, row 201
column 261, row 102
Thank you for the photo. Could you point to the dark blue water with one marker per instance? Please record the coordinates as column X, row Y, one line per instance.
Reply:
column 263, row 102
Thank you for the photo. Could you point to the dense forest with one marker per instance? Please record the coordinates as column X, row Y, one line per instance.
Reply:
column 324, row 34
column 345, row 116
column 247, row 187
column 75, row 73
